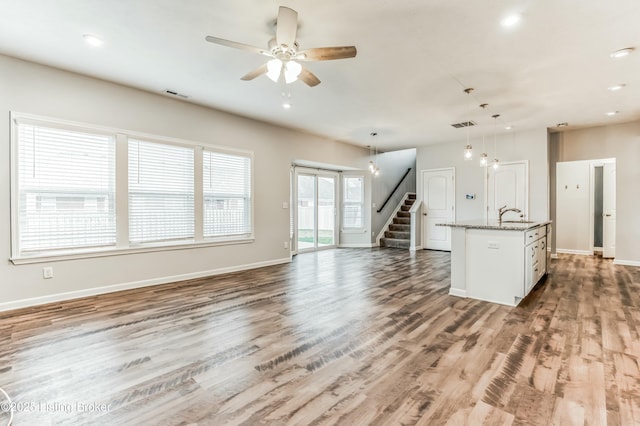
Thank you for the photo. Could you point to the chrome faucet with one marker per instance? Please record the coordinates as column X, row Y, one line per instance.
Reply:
column 502, row 210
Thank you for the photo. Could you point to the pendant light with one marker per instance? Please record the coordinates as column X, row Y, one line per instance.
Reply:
column 468, row 149
column 484, row 158
column 373, row 166
column 496, row 162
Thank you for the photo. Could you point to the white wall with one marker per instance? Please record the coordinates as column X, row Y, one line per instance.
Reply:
column 393, row 165
column 516, row 146
column 573, row 207
column 622, row 142
column 36, row 89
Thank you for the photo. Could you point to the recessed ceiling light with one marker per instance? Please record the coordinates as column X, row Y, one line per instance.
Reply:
column 510, row 20
column 92, row 40
column 616, row 87
column 286, row 105
column 611, row 113
column 622, row 52
column 508, row 127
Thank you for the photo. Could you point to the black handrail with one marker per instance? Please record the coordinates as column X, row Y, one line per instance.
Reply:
column 394, row 190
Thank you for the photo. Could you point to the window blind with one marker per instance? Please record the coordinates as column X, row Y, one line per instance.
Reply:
column 227, row 194
column 66, row 189
column 353, row 202
column 161, row 192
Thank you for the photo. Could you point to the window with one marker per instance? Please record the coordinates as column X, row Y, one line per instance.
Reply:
column 66, row 189
column 227, row 194
column 160, row 192
column 80, row 190
column 353, row 202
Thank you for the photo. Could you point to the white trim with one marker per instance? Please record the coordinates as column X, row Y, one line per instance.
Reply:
column 20, row 117
column 59, row 297
column 554, row 255
column 132, row 250
column 391, row 217
column 414, row 212
column 362, row 245
column 626, row 262
column 457, row 292
column 580, row 252
column 416, row 248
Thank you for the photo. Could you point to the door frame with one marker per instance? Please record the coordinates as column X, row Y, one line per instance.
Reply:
column 423, row 222
column 592, row 195
column 294, row 205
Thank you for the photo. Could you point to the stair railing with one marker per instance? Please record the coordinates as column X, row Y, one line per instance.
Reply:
column 394, row 190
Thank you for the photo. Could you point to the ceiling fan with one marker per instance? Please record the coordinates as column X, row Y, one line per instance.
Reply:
column 283, row 49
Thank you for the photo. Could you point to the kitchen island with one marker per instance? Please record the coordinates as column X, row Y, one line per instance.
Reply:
column 497, row 262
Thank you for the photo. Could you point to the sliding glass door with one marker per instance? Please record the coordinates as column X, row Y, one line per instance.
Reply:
column 316, row 211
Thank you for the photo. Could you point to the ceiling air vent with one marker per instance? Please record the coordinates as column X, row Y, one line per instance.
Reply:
column 464, row 124
column 173, row 93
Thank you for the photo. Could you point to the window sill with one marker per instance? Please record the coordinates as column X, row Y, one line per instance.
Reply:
column 147, row 248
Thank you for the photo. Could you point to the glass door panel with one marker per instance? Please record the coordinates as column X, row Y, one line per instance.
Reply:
column 326, row 211
column 306, row 212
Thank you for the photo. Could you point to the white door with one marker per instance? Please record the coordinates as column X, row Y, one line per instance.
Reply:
column 438, row 207
column 507, row 186
column 609, row 210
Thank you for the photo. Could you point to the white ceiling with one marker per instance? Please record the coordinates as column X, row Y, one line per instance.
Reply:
column 414, row 59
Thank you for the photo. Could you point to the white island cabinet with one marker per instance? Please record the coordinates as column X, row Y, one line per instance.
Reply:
column 497, row 262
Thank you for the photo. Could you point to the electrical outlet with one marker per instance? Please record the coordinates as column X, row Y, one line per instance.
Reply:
column 285, row 245
column 47, row 272
column 285, row 205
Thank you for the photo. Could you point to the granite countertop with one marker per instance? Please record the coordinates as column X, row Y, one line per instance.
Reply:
column 493, row 224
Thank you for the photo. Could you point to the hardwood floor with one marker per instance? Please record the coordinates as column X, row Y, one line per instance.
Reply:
column 348, row 337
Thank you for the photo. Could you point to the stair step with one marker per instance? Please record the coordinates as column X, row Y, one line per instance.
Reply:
column 405, row 207
column 394, row 227
column 402, row 221
column 412, row 196
column 399, row 235
column 395, row 243
column 403, row 214
column 409, row 202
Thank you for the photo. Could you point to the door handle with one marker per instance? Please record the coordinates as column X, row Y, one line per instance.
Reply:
column 607, row 215
column 424, row 214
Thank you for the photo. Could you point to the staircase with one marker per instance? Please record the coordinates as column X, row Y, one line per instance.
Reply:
column 398, row 235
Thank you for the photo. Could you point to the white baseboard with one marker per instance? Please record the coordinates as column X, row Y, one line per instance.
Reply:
column 626, row 262
column 580, row 252
column 59, row 297
column 457, row 292
column 415, row 248
column 358, row 245
column 554, row 255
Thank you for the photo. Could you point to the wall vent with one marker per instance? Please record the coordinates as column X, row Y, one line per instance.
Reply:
column 174, row 93
column 464, row 124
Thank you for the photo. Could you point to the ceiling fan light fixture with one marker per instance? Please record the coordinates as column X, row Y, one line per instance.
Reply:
column 274, row 68
column 292, row 70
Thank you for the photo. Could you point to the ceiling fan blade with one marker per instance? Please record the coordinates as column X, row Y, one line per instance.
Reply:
column 326, row 53
column 308, row 77
column 237, row 45
column 287, row 26
column 262, row 69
